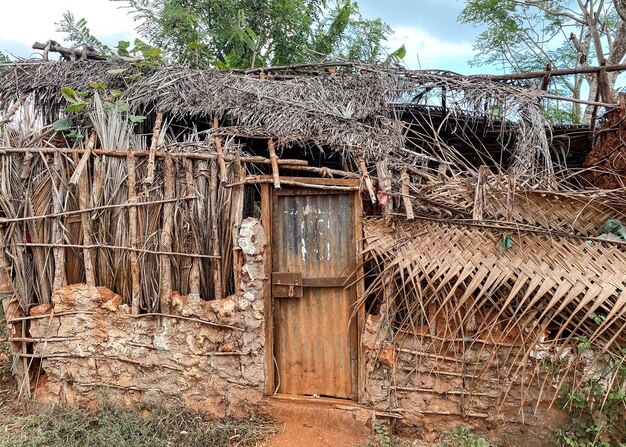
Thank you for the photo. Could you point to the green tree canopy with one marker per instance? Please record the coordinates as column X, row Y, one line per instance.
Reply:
column 252, row 33
column 528, row 35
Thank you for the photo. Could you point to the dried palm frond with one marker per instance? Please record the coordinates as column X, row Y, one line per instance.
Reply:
column 477, row 300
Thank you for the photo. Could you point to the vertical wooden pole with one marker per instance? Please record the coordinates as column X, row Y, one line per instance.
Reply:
column 367, row 179
column 274, row 161
column 83, row 203
column 479, row 194
column 406, row 199
column 384, row 188
column 220, row 160
column 166, row 236
column 360, row 292
column 510, row 194
column 194, row 274
column 58, row 195
column 215, row 237
column 13, row 109
column 220, row 152
column 237, row 212
column 82, row 164
column 10, row 308
column 135, row 299
column 268, row 310
column 156, row 134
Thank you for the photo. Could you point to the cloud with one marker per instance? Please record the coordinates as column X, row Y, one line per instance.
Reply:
column 426, row 51
column 27, row 21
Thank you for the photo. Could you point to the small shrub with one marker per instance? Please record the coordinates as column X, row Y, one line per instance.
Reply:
column 463, row 437
column 381, row 435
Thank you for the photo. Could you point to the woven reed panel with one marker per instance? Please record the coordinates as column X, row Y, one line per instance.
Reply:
column 578, row 213
column 541, row 283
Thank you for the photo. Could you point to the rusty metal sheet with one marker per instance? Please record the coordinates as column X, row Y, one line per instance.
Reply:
column 315, row 337
column 287, row 285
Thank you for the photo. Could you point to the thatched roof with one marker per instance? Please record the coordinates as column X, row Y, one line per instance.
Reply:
column 348, row 109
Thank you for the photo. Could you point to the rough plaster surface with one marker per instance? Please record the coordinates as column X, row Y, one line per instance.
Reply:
column 435, row 392
column 98, row 348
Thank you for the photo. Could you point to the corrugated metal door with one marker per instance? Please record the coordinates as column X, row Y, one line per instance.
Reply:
column 313, row 253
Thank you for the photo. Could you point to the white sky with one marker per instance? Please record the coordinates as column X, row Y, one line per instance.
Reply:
column 25, row 21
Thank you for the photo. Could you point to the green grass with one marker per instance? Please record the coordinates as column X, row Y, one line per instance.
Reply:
column 113, row 426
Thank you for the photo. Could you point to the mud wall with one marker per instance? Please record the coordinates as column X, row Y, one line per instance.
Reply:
column 208, row 355
column 606, row 162
column 429, row 387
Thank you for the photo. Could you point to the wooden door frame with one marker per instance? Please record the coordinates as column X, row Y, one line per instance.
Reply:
column 266, row 221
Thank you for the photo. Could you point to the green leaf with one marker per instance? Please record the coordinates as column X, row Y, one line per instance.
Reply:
column 122, row 48
column 122, row 107
column 98, row 86
column 116, row 93
column 75, row 107
column 69, row 94
column 135, row 76
column 583, row 344
column 137, row 118
column 152, row 53
column 62, row 124
column 506, row 243
column 116, row 71
column 220, row 65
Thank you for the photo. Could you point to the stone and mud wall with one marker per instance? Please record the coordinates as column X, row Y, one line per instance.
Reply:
column 429, row 387
column 207, row 355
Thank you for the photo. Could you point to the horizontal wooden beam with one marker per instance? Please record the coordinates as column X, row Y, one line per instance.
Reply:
column 120, row 153
column 68, row 53
column 551, row 73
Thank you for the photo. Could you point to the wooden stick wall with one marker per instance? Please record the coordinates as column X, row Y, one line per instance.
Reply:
column 141, row 239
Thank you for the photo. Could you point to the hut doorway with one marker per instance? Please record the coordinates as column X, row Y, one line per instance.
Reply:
column 314, row 257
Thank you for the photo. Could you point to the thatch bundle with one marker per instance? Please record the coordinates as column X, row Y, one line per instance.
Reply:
column 349, row 110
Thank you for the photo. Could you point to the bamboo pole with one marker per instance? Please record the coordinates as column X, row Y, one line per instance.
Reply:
column 367, row 179
column 408, row 206
column 156, row 134
column 165, row 277
column 274, row 160
column 132, row 228
column 215, row 248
